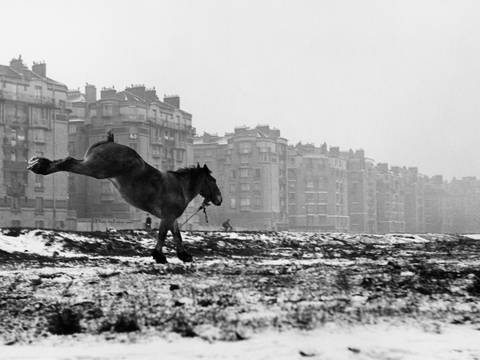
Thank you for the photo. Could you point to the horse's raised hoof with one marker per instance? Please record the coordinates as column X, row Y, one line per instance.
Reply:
column 184, row 256
column 39, row 165
column 159, row 257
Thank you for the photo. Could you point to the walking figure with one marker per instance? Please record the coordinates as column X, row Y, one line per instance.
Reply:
column 148, row 223
column 226, row 225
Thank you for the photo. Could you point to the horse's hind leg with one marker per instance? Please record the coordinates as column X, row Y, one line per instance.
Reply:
column 157, row 253
column 177, row 237
column 44, row 166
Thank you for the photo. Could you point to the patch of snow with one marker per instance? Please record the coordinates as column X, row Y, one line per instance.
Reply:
column 331, row 342
column 473, row 236
column 33, row 242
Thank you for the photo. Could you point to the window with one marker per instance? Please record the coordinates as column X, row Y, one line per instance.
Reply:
column 38, row 180
column 39, row 205
column 244, row 202
column 244, row 172
column 179, row 155
column 39, row 135
column 233, row 188
column 263, row 156
column 258, row 174
column 15, row 203
column 245, row 187
column 233, row 174
column 38, row 91
column 232, row 203
column 245, row 148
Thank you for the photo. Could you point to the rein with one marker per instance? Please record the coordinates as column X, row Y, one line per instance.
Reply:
column 202, row 207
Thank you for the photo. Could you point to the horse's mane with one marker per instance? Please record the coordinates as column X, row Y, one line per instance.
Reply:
column 194, row 170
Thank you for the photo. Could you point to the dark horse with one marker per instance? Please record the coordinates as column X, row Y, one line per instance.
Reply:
column 162, row 194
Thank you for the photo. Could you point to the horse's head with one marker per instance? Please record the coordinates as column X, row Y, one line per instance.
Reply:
column 208, row 187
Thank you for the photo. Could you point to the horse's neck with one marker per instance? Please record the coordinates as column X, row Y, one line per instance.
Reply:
column 190, row 187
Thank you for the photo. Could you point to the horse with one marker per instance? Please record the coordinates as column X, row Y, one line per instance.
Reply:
column 164, row 194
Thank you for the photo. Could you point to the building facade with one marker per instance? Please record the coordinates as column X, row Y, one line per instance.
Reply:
column 390, row 199
column 160, row 131
column 317, row 189
column 250, row 166
column 33, row 122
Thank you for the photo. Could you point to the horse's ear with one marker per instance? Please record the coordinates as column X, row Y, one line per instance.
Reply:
column 205, row 167
column 198, row 165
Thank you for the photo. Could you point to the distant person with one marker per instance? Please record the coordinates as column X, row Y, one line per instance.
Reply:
column 226, row 225
column 148, row 223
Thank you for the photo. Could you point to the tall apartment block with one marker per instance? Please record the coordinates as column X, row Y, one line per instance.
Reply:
column 250, row 166
column 390, row 199
column 33, row 122
column 317, row 189
column 362, row 197
column 160, row 131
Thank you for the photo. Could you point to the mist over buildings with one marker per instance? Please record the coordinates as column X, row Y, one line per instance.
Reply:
column 399, row 80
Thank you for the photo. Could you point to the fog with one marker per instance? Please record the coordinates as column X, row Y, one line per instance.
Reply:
column 400, row 79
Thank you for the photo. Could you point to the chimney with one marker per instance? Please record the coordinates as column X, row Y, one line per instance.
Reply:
column 40, row 69
column 108, row 93
column 90, row 93
column 151, row 95
column 173, row 100
column 17, row 64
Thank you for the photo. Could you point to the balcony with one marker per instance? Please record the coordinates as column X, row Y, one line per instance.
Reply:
column 132, row 118
column 157, row 141
column 27, row 98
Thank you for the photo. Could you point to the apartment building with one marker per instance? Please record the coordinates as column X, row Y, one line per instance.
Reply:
column 317, row 189
column 159, row 130
column 462, row 206
column 434, row 204
column 390, row 199
column 250, row 166
column 414, row 211
column 357, row 179
column 33, row 122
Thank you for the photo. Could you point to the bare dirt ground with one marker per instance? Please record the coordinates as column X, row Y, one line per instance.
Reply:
column 275, row 295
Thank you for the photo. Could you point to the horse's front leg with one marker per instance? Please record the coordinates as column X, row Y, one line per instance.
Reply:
column 157, row 252
column 177, row 237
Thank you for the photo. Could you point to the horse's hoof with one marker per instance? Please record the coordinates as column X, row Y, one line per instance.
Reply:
column 184, row 256
column 38, row 165
column 159, row 257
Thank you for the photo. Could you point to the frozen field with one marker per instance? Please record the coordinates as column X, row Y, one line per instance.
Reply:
column 269, row 295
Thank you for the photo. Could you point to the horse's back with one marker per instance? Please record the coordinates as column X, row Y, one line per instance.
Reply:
column 114, row 158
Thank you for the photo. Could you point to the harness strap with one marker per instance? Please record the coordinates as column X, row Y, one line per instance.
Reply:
column 202, row 207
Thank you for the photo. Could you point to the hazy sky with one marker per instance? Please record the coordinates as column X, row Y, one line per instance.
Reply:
column 400, row 79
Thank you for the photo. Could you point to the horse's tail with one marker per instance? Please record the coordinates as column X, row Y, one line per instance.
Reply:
column 110, row 135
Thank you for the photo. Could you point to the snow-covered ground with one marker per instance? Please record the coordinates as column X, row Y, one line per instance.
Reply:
column 50, row 243
column 329, row 343
column 273, row 295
